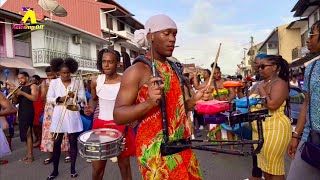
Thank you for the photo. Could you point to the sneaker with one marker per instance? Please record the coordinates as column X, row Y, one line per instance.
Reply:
column 192, row 136
column 88, row 161
column 114, row 159
column 201, row 127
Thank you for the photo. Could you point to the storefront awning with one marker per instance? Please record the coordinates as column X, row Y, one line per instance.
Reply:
column 14, row 63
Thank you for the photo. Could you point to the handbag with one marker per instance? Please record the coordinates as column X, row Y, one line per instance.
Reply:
column 311, row 148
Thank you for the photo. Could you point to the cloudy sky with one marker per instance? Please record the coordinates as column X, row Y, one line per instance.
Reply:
column 203, row 24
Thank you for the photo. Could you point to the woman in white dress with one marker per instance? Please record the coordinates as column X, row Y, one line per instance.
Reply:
column 64, row 120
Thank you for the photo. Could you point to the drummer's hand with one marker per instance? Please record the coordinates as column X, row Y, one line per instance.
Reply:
column 154, row 91
column 292, row 148
column 88, row 110
column 203, row 94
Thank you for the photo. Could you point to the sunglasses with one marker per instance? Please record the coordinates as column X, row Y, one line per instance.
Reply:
column 310, row 34
column 262, row 66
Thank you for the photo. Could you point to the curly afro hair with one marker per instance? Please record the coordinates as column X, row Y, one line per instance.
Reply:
column 70, row 63
column 100, row 56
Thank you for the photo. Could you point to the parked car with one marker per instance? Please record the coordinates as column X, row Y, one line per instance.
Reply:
column 296, row 100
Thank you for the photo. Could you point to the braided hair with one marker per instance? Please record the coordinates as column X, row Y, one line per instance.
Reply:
column 100, row 57
column 282, row 66
column 283, row 73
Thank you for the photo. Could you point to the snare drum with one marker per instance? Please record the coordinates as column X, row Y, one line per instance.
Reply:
column 101, row 144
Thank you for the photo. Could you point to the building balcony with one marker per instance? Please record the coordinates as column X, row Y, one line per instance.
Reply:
column 125, row 34
column 41, row 58
column 299, row 52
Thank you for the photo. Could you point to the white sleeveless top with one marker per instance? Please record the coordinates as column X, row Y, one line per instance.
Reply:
column 107, row 94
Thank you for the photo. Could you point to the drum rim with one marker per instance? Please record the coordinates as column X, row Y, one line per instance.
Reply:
column 101, row 129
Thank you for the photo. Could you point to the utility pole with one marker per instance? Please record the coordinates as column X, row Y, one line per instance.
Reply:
column 251, row 54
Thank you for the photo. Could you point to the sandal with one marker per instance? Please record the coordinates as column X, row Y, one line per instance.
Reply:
column 67, row 159
column 74, row 175
column 27, row 160
column 52, row 176
column 47, row 161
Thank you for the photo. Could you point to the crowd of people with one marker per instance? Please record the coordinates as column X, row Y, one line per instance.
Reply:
column 143, row 100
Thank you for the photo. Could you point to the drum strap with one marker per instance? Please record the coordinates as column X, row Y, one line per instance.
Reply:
column 125, row 130
column 178, row 69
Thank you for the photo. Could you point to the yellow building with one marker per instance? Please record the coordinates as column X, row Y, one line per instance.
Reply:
column 281, row 41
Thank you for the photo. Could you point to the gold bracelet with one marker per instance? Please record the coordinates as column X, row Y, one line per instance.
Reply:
column 295, row 132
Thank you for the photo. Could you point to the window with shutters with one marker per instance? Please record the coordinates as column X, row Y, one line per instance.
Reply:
column 56, row 41
column 109, row 22
column 85, row 50
column 121, row 26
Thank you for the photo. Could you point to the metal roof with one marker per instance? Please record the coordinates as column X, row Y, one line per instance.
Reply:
column 302, row 5
column 82, row 14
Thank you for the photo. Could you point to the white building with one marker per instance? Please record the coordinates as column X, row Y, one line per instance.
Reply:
column 80, row 34
column 119, row 25
column 31, row 51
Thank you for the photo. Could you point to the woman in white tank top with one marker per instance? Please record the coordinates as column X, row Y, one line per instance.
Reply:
column 105, row 89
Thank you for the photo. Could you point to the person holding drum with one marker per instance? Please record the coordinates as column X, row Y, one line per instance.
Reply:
column 277, row 128
column 105, row 89
column 196, row 84
column 60, row 93
column 139, row 100
column 222, row 94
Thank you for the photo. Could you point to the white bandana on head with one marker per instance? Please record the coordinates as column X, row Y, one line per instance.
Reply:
column 155, row 23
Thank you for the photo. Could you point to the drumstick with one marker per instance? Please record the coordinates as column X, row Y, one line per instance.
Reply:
column 214, row 67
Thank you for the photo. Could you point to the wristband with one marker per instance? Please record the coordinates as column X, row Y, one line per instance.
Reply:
column 296, row 137
column 295, row 132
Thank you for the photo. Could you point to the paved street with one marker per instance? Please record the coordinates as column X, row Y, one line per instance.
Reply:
column 218, row 166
